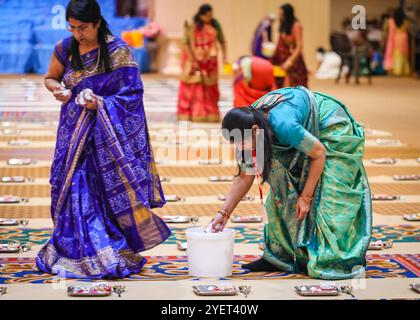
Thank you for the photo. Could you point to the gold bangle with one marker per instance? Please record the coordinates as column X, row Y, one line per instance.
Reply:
column 307, row 199
column 224, row 213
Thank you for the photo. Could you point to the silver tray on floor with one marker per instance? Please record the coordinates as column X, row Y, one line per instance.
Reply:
column 323, row 290
column 214, row 290
column 5, row 248
column 9, row 132
column 20, row 142
column 15, row 179
column 96, row 290
column 317, row 290
column 409, row 177
column 13, row 222
column 20, row 162
column 174, row 198
column 9, row 199
column 222, row 197
column 210, row 162
column 384, row 161
column 179, row 219
column 221, row 179
column 412, row 217
column 246, row 219
column 14, row 247
column 385, row 197
column 380, row 245
column 387, row 142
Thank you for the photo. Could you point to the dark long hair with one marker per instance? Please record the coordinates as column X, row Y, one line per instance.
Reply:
column 202, row 11
column 244, row 119
column 89, row 11
column 399, row 16
column 288, row 18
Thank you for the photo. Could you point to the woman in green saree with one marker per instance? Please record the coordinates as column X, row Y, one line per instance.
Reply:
column 318, row 210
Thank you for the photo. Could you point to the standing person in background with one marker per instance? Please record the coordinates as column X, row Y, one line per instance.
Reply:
column 199, row 91
column 263, row 35
column 397, row 52
column 362, row 53
column 289, row 51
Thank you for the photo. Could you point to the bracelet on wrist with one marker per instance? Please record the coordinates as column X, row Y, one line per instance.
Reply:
column 224, row 213
column 306, row 199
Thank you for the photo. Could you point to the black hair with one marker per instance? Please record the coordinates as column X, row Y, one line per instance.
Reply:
column 205, row 8
column 244, row 119
column 399, row 16
column 288, row 18
column 88, row 11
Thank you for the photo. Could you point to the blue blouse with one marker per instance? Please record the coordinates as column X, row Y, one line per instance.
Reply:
column 288, row 118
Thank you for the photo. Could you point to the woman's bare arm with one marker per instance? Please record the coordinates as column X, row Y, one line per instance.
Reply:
column 297, row 33
column 238, row 190
column 52, row 80
column 316, row 167
column 318, row 156
column 54, row 75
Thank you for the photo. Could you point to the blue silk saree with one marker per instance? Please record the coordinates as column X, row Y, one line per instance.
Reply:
column 104, row 181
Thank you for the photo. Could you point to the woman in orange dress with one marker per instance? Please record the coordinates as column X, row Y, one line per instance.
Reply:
column 289, row 51
column 199, row 92
column 397, row 48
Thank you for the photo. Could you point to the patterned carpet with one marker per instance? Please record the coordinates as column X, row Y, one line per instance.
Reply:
column 167, row 268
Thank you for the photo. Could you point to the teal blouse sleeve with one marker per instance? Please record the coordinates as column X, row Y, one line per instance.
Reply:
column 287, row 121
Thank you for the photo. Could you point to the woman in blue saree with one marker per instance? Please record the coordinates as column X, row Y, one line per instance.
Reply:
column 104, row 181
column 262, row 34
column 309, row 149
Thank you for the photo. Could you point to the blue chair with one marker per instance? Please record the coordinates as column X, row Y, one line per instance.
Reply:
column 27, row 38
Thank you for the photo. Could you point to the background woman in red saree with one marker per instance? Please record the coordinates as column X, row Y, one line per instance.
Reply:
column 254, row 78
column 289, row 51
column 199, row 92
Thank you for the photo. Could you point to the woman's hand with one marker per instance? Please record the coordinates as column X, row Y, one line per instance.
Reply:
column 303, row 206
column 59, row 94
column 91, row 101
column 219, row 222
column 286, row 66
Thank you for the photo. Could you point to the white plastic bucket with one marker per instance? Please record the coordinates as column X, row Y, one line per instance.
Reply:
column 210, row 255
